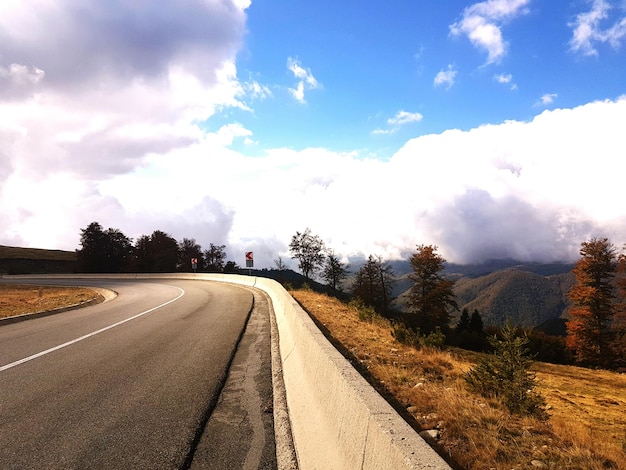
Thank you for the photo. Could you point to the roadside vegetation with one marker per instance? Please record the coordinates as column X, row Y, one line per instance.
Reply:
column 23, row 299
column 111, row 251
column 585, row 426
column 494, row 407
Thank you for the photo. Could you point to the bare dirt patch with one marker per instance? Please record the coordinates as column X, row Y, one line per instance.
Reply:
column 24, row 299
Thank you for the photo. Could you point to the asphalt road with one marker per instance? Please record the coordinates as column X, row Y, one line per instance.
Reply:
column 134, row 382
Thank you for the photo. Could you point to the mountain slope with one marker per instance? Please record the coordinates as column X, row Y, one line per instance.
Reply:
column 524, row 298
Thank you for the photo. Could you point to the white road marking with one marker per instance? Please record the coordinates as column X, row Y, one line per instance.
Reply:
column 89, row 335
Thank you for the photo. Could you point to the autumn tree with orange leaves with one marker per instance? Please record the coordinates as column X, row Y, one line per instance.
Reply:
column 589, row 333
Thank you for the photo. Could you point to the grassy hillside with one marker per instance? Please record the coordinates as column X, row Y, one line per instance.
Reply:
column 11, row 252
column 474, row 432
column 14, row 260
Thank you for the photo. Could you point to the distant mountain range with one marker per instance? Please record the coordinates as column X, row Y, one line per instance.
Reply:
column 532, row 295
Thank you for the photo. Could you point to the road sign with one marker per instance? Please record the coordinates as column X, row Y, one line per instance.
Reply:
column 194, row 264
column 249, row 259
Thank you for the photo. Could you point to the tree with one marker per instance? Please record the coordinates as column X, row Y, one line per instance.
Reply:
column 431, row 298
column 476, row 322
column 308, row 249
column 103, row 251
column 92, row 256
column 188, row 249
column 373, row 284
column 142, row 262
column 464, row 321
column 592, row 297
column 469, row 333
column 162, row 253
column 334, row 271
column 215, row 258
column 119, row 250
column 506, row 374
column 231, row 267
column 619, row 320
column 280, row 264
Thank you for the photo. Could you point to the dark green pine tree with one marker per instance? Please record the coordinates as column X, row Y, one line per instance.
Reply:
column 464, row 322
column 476, row 322
column 506, row 375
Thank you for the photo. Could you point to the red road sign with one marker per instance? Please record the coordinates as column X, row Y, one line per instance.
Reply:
column 249, row 256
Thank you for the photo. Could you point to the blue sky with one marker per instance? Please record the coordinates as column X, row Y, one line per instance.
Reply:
column 376, row 60
column 488, row 128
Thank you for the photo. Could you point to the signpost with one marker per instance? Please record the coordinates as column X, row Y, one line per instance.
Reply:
column 194, row 264
column 249, row 261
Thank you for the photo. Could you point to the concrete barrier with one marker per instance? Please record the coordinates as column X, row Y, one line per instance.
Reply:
column 338, row 420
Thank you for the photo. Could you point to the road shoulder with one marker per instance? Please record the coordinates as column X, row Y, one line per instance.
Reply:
column 240, row 430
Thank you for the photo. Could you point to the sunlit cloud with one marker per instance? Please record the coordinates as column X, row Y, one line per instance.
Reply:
column 306, row 79
column 482, row 23
column 596, row 26
column 445, row 77
column 396, row 122
column 257, row 91
column 158, row 131
column 404, row 117
column 547, row 99
column 506, row 79
column 508, row 190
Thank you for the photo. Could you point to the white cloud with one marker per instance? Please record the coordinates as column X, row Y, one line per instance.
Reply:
column 125, row 141
column 482, row 24
column 379, row 131
column 547, row 99
column 306, row 79
column 506, row 79
column 18, row 80
column 400, row 119
column 257, row 91
column 503, row 78
column 590, row 28
column 445, row 77
column 531, row 190
column 89, row 92
column 298, row 92
column 507, row 190
column 404, row 117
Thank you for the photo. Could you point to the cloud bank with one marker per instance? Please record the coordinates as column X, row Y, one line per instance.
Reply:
column 95, row 124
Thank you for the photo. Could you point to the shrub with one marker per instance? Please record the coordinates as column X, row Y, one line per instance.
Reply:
column 436, row 339
column 406, row 335
column 365, row 313
column 506, row 375
column 412, row 337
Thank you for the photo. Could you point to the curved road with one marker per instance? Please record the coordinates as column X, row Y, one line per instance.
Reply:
column 131, row 383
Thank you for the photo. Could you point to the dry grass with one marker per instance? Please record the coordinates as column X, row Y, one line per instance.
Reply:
column 587, row 428
column 22, row 299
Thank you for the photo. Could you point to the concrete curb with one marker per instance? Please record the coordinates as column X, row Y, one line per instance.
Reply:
column 338, row 421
